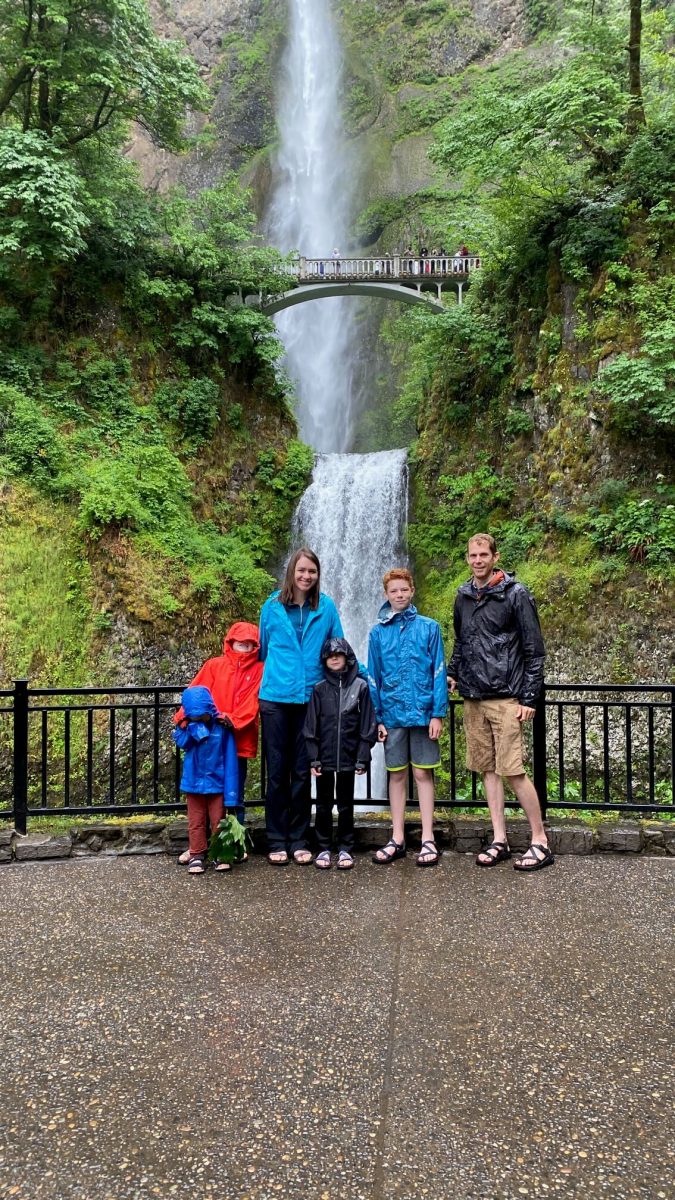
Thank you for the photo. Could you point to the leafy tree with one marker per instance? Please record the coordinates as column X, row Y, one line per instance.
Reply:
column 73, row 69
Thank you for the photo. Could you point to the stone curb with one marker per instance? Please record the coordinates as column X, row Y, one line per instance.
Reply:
column 465, row 835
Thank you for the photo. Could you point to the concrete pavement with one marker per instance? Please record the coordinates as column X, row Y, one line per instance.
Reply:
column 385, row 1033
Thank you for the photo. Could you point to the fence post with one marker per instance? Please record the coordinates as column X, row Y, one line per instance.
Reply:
column 539, row 750
column 20, row 755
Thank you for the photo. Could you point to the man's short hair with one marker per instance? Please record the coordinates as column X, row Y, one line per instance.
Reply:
column 484, row 537
column 398, row 573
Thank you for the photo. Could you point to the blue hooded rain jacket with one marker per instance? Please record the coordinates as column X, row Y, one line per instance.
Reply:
column 210, row 752
column 406, row 668
column 292, row 667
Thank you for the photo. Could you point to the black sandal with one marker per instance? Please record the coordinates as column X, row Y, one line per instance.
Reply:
column 397, row 851
column 536, row 864
column 278, row 862
column 502, row 854
column 430, row 862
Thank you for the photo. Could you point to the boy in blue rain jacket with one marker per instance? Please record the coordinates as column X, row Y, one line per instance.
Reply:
column 409, row 689
column 210, row 776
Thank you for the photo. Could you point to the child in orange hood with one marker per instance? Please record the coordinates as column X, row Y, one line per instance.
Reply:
column 233, row 680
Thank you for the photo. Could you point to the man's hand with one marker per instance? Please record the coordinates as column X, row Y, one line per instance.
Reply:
column 524, row 713
column 452, row 684
column 382, row 733
column 435, row 727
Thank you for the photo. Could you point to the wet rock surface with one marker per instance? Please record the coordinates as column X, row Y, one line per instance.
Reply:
column 386, row 1032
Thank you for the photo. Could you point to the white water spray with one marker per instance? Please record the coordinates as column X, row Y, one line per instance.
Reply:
column 353, row 515
column 310, row 212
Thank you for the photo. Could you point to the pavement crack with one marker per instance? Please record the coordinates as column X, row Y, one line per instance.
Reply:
column 385, row 1096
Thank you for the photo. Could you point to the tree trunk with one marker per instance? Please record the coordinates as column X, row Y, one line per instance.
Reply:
column 636, row 112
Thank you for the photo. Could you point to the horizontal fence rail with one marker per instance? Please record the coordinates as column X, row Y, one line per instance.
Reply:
column 391, row 266
column 94, row 751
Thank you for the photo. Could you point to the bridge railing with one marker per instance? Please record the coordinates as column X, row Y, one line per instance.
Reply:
column 395, row 266
column 87, row 751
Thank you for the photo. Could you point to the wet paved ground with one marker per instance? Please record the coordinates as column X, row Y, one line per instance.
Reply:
column 392, row 1032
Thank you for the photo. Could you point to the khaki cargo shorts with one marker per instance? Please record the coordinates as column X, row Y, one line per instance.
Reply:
column 494, row 736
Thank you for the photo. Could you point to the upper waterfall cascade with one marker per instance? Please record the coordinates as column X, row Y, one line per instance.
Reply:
column 354, row 512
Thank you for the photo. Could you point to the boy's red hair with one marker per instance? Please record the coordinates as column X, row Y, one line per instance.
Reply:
column 397, row 573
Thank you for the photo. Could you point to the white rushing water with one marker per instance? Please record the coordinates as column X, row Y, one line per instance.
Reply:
column 353, row 515
column 310, row 211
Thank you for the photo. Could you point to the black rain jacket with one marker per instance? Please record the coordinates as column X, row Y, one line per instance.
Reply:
column 340, row 725
column 499, row 651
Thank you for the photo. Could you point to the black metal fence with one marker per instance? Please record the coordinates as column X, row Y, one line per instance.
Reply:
column 90, row 751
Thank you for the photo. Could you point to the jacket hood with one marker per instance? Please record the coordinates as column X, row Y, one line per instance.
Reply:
column 197, row 702
column 242, row 631
column 498, row 588
column 387, row 614
column 339, row 645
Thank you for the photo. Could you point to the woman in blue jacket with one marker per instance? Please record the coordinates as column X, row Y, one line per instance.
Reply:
column 294, row 624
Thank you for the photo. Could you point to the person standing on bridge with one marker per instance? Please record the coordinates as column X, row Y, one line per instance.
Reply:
column 498, row 664
column 295, row 622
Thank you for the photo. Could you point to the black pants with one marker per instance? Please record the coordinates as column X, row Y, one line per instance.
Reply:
column 332, row 787
column 288, row 797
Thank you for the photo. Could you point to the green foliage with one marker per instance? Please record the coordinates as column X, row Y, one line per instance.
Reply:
column 518, row 423
column 29, row 442
column 46, row 591
column 228, row 843
column 143, row 487
column 641, row 387
column 42, row 213
column 76, row 71
column 193, row 404
column 643, row 530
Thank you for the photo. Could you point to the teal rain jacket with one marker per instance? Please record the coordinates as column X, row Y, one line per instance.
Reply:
column 293, row 667
column 406, row 668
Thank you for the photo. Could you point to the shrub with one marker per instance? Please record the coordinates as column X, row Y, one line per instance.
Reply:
column 144, row 488
column 643, row 385
column 29, row 443
column 194, row 404
column 518, row 423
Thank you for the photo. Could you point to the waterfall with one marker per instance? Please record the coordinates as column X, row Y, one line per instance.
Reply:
column 310, row 212
column 353, row 515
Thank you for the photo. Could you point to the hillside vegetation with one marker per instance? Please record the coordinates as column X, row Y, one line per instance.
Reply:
column 147, row 456
column 544, row 407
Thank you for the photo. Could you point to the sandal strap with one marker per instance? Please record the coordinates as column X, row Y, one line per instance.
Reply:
column 433, row 845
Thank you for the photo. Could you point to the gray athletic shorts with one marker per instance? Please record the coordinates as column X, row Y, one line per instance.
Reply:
column 410, row 745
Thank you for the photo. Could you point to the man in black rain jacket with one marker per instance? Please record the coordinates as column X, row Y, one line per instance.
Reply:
column 498, row 664
column 340, row 729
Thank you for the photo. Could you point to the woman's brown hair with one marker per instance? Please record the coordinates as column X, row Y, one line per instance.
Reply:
column 286, row 594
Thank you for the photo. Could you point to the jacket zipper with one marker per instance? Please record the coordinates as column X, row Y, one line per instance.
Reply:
column 337, row 757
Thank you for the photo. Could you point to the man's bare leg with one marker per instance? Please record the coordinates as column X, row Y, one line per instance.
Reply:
column 494, row 793
column 524, row 791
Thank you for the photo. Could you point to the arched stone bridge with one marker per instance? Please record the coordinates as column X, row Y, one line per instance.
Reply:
column 411, row 280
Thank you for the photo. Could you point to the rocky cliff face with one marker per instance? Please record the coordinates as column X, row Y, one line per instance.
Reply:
column 397, row 56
